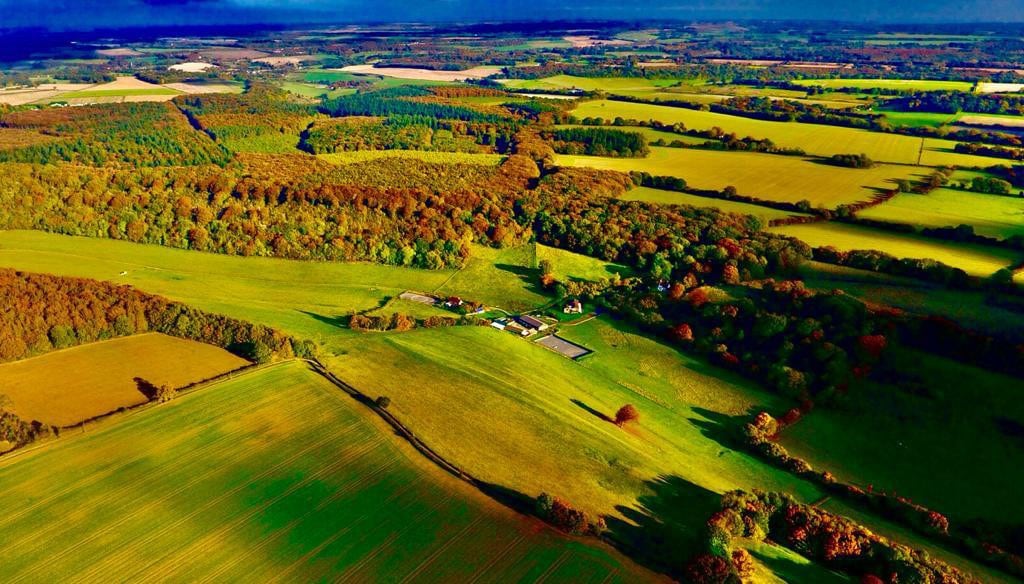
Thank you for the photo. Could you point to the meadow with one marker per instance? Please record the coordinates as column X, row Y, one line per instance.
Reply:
column 816, row 139
column 650, row 195
column 65, row 387
column 902, row 84
column 990, row 215
column 977, row 260
column 274, row 475
column 787, row 179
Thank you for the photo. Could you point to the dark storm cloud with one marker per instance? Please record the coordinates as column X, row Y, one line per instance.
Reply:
column 107, row 13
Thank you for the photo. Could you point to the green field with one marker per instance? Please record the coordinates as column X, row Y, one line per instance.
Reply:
column 904, row 84
column 673, row 198
column 990, row 215
column 104, row 375
column 816, row 139
column 767, row 176
column 427, row 156
column 275, row 475
column 947, row 451
column 977, row 260
column 263, row 289
column 918, row 119
column 313, row 90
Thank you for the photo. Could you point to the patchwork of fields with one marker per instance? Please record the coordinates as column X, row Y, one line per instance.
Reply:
column 767, row 176
column 271, row 476
column 812, row 138
column 98, row 378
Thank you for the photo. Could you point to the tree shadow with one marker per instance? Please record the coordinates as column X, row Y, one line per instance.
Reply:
column 791, row 571
column 146, row 388
column 666, row 526
column 511, row 498
column 530, row 277
column 591, row 410
column 336, row 321
column 722, row 428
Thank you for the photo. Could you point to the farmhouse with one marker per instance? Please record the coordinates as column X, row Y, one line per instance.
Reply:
column 574, row 306
column 516, row 328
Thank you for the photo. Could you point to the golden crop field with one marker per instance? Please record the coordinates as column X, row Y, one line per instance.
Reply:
column 275, row 475
column 814, row 139
column 65, row 387
column 766, row 176
column 674, row 198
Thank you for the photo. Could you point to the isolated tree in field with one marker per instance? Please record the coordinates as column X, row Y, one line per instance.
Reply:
column 164, row 393
column 626, row 413
column 547, row 272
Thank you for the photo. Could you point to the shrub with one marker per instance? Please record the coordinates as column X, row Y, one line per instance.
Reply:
column 164, row 393
column 383, row 402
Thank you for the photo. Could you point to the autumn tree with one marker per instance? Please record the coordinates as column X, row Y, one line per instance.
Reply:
column 626, row 413
column 164, row 393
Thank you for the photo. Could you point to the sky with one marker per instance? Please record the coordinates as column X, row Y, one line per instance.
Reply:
column 86, row 14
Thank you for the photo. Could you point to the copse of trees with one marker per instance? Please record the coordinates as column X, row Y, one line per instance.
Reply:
column 598, row 142
column 834, row 541
column 852, row 160
column 951, row 102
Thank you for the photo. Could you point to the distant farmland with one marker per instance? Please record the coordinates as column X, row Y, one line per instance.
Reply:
column 767, row 176
column 904, row 84
column 273, row 475
column 990, row 215
column 98, row 378
column 814, row 139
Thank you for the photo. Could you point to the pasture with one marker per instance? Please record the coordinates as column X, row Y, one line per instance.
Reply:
column 519, row 415
column 274, row 475
column 990, row 215
column 65, row 387
column 767, row 176
column 976, row 260
column 901, row 84
column 673, row 198
column 816, row 139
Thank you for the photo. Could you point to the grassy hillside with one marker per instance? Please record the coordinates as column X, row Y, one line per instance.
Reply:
column 273, row 475
column 65, row 387
column 768, row 176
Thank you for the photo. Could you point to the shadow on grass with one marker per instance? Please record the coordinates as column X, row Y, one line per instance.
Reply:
column 791, row 571
column 337, row 321
column 530, row 277
column 590, row 410
column 666, row 526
